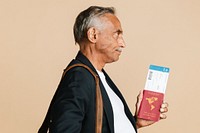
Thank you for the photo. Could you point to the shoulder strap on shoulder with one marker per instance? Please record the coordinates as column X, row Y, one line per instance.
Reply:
column 80, row 65
column 99, row 103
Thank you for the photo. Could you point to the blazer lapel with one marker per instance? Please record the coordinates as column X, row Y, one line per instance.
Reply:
column 116, row 90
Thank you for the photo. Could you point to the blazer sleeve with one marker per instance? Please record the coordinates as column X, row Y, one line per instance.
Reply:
column 72, row 101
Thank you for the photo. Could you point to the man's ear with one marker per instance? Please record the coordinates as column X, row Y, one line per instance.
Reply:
column 92, row 34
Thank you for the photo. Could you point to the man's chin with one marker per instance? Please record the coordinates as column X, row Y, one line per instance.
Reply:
column 113, row 60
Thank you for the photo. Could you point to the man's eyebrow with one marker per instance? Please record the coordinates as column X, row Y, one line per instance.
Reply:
column 119, row 31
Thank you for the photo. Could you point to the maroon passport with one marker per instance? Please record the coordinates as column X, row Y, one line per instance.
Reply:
column 150, row 105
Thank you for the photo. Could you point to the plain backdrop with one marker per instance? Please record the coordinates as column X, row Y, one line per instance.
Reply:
column 36, row 44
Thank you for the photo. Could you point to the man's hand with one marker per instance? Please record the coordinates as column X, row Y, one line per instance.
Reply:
column 142, row 122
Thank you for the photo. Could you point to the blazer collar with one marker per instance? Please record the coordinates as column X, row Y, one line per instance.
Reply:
column 83, row 59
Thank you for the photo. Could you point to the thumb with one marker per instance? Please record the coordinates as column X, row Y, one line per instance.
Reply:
column 139, row 100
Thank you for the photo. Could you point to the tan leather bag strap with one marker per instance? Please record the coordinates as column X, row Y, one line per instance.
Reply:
column 99, row 101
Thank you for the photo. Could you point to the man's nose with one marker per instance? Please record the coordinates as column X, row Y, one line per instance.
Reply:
column 121, row 42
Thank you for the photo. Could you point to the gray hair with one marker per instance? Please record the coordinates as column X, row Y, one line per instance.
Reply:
column 86, row 19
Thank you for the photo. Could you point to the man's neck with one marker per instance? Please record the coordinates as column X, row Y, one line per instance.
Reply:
column 93, row 57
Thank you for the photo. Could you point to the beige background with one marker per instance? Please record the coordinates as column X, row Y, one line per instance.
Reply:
column 36, row 43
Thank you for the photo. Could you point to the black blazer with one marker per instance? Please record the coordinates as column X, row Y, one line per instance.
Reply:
column 74, row 107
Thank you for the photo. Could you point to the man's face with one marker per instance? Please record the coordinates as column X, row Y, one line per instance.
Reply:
column 110, row 41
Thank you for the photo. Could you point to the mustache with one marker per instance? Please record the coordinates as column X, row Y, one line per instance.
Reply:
column 119, row 49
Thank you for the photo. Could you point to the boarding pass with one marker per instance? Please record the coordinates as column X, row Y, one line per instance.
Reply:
column 157, row 77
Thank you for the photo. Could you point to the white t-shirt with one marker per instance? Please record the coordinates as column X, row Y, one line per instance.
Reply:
column 121, row 122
